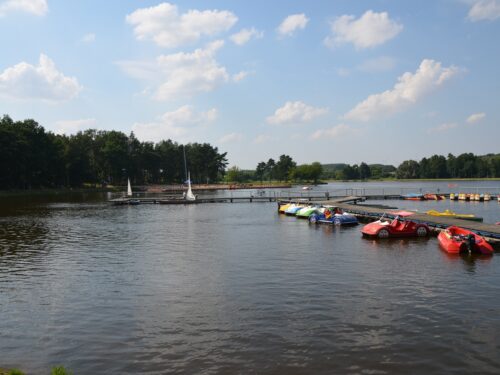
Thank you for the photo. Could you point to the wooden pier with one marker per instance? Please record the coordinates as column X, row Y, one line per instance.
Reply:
column 178, row 199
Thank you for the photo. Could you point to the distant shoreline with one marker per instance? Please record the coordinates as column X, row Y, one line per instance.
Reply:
column 155, row 188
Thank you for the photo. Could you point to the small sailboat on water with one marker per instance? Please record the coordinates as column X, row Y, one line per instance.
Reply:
column 129, row 194
column 129, row 189
column 189, row 196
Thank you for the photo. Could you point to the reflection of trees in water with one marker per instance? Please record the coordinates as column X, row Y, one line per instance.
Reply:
column 39, row 203
column 22, row 238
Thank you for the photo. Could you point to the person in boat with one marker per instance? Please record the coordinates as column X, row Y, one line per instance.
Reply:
column 328, row 213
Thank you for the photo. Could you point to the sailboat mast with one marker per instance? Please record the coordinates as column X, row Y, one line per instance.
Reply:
column 185, row 166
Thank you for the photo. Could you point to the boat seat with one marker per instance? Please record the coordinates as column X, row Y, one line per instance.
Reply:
column 394, row 223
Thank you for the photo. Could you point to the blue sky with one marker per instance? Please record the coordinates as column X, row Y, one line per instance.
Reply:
column 329, row 81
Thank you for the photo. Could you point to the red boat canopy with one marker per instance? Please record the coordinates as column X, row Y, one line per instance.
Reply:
column 401, row 213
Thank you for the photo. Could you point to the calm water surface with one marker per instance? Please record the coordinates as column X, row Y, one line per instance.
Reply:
column 234, row 289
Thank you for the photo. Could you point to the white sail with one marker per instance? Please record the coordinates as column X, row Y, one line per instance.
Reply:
column 189, row 195
column 129, row 189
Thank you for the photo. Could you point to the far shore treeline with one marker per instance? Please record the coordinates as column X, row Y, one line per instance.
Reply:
column 31, row 158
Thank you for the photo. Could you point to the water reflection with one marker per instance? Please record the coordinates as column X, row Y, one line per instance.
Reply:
column 22, row 238
column 469, row 261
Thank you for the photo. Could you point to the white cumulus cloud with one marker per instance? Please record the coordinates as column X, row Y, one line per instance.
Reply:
column 292, row 23
column 175, row 124
column 167, row 28
column 74, row 126
column 484, row 10
column 407, row 91
column 295, row 112
column 475, row 117
column 36, row 7
column 42, row 81
column 370, row 30
column 180, row 74
column 244, row 36
column 336, row 131
column 231, row 137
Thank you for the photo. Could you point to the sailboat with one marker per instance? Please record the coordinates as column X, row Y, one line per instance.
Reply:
column 129, row 194
column 189, row 195
column 129, row 189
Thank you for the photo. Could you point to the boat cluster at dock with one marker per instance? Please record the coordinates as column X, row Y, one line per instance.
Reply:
column 453, row 239
column 484, row 197
column 472, row 197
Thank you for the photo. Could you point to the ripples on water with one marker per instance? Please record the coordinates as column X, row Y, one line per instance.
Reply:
column 235, row 289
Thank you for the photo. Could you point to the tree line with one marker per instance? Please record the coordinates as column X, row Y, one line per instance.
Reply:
column 285, row 169
column 362, row 171
column 465, row 165
column 30, row 157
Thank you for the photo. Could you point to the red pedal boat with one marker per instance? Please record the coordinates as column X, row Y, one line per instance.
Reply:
column 456, row 240
column 398, row 227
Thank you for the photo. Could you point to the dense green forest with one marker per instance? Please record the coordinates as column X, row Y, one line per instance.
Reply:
column 30, row 157
column 465, row 165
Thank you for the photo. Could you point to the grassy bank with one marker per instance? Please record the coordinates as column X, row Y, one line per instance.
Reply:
column 57, row 370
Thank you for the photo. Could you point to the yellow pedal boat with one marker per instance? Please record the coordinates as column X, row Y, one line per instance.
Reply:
column 448, row 213
column 284, row 207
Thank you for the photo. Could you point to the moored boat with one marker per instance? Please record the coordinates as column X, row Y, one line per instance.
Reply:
column 434, row 197
column 487, row 197
column 449, row 213
column 333, row 215
column 398, row 227
column 283, row 207
column 292, row 210
column 305, row 212
column 413, row 197
column 456, row 240
column 453, row 196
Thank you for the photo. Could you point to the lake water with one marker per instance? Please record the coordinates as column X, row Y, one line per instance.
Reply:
column 236, row 289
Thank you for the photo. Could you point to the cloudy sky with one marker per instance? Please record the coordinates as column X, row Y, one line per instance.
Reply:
column 329, row 81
